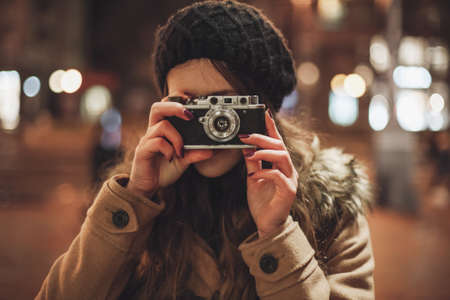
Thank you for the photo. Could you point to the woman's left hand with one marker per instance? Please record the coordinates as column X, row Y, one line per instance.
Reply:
column 270, row 192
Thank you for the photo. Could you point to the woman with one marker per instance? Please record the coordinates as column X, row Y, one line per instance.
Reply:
column 215, row 224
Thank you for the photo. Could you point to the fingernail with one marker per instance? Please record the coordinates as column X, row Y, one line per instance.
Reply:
column 188, row 114
column 243, row 136
column 270, row 113
column 250, row 174
column 250, row 153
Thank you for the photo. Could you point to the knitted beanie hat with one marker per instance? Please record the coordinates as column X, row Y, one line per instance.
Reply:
column 239, row 35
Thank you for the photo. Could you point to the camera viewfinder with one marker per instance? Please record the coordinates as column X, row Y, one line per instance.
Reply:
column 213, row 100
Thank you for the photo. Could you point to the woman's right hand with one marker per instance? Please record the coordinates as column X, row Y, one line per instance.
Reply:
column 159, row 158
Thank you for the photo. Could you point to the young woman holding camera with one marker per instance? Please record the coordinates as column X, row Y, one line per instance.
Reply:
column 215, row 224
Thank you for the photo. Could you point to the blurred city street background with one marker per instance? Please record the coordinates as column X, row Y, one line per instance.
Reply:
column 75, row 89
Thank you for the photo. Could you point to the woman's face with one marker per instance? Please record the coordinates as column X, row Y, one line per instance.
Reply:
column 198, row 77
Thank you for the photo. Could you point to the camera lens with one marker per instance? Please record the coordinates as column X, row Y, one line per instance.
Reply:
column 221, row 124
column 213, row 100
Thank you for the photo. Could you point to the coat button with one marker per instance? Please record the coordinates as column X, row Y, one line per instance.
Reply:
column 120, row 218
column 268, row 263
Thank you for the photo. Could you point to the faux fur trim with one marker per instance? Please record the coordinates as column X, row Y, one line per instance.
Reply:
column 336, row 188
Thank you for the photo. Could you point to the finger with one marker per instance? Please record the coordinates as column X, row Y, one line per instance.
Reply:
column 149, row 147
column 262, row 141
column 165, row 129
column 284, row 184
column 179, row 97
column 161, row 110
column 280, row 159
column 272, row 130
column 252, row 165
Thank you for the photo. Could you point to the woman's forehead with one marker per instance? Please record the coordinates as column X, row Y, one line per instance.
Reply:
column 197, row 77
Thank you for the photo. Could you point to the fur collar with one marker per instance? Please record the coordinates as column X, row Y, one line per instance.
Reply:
column 336, row 188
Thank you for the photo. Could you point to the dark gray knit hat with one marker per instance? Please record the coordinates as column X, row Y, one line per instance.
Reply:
column 233, row 32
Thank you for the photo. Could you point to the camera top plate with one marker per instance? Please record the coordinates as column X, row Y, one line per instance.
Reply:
column 235, row 101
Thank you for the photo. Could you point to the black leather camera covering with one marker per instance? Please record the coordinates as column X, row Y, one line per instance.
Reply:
column 251, row 121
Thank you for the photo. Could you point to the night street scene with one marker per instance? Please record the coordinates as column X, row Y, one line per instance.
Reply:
column 77, row 85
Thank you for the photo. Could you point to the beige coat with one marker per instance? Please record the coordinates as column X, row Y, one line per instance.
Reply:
column 101, row 258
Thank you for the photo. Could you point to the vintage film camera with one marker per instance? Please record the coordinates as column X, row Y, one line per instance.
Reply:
column 218, row 120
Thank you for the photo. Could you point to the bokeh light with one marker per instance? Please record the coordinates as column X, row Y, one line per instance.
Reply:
column 379, row 54
column 354, row 85
column 412, row 77
column 437, row 57
column 290, row 101
column 337, row 83
column 54, row 81
column 308, row 73
column 411, row 110
column 343, row 109
column 437, row 121
column 412, row 51
column 365, row 72
column 31, row 86
column 302, row 3
column 378, row 112
column 111, row 122
column 9, row 99
column 437, row 102
column 71, row 81
column 94, row 102
column 438, row 106
column 330, row 10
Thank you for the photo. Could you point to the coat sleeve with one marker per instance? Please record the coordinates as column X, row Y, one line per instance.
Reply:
column 100, row 259
column 284, row 265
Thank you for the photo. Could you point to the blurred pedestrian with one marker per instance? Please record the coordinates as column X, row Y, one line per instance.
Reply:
column 106, row 147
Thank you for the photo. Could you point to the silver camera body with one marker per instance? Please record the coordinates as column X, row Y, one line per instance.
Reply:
column 218, row 120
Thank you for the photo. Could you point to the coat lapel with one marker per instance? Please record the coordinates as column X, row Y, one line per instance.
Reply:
column 205, row 278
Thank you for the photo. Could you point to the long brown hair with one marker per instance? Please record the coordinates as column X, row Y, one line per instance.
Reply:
column 216, row 210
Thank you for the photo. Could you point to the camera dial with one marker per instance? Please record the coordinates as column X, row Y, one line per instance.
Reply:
column 220, row 124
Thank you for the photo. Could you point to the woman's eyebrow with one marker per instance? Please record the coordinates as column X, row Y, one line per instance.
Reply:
column 226, row 92
column 223, row 92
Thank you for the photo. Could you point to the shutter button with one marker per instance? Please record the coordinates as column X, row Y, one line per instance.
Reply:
column 268, row 263
column 120, row 218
